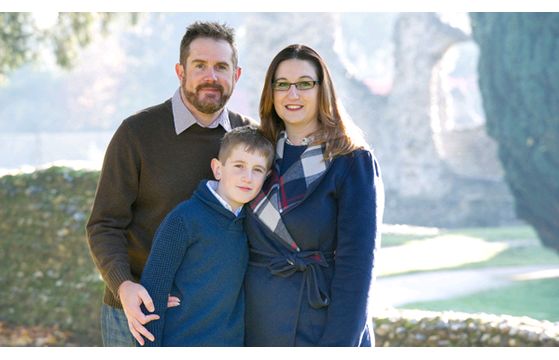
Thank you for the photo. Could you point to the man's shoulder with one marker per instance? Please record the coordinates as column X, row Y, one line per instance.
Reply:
column 151, row 113
column 148, row 122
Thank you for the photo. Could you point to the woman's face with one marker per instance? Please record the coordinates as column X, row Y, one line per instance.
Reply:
column 298, row 108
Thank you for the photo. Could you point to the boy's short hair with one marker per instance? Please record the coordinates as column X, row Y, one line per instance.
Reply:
column 252, row 138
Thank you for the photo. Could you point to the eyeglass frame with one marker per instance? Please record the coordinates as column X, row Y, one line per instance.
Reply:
column 314, row 83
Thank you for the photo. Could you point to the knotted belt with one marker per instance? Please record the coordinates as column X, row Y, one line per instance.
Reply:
column 307, row 262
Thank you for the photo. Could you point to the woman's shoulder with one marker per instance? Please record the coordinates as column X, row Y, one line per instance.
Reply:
column 358, row 161
column 360, row 154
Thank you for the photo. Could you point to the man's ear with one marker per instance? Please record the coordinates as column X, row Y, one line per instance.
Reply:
column 238, row 73
column 179, row 70
column 216, row 168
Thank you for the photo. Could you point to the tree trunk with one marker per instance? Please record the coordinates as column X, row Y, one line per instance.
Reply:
column 519, row 82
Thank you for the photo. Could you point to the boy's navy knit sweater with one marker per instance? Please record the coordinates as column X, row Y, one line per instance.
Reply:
column 200, row 255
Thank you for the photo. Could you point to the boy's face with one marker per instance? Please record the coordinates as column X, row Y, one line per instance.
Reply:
column 241, row 176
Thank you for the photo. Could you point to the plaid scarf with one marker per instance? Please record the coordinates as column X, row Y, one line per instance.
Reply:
column 281, row 193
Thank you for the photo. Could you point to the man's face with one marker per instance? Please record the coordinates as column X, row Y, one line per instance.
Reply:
column 209, row 77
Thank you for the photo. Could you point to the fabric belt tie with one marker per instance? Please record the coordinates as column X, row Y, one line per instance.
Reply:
column 307, row 262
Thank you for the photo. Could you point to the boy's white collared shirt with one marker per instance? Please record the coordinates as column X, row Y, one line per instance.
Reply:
column 212, row 185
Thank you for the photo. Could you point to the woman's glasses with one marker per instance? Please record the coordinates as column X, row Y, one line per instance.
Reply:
column 300, row 85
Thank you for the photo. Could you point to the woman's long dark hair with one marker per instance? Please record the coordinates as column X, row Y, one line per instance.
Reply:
column 332, row 129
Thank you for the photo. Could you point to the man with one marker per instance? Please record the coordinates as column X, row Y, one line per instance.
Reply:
column 154, row 161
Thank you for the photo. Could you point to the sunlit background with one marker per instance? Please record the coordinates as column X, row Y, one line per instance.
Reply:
column 452, row 240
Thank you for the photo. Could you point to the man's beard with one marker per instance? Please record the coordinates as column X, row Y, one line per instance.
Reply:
column 206, row 105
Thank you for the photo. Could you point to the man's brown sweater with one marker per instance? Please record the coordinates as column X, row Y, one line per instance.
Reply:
column 148, row 169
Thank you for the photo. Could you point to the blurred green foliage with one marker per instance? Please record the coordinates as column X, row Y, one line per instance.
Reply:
column 22, row 40
column 15, row 38
column 47, row 276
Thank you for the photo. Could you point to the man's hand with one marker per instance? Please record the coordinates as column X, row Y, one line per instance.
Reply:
column 132, row 295
column 173, row 301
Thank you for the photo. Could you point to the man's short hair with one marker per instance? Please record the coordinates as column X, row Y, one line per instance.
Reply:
column 252, row 139
column 207, row 29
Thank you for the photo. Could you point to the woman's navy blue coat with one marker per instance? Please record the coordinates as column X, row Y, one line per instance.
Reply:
column 337, row 228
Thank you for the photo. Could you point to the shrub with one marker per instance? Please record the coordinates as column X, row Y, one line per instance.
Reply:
column 47, row 276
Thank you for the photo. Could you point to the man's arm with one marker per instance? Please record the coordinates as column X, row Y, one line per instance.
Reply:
column 106, row 229
column 112, row 209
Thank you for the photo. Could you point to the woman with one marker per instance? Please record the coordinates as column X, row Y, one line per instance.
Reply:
column 314, row 228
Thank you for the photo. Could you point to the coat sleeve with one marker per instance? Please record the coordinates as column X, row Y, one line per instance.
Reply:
column 169, row 247
column 360, row 210
column 112, row 209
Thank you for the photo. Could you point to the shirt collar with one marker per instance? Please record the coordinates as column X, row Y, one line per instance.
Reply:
column 212, row 185
column 304, row 142
column 184, row 119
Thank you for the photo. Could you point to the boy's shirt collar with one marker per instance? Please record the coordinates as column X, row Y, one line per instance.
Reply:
column 184, row 119
column 212, row 185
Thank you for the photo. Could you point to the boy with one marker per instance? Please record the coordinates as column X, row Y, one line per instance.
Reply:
column 200, row 251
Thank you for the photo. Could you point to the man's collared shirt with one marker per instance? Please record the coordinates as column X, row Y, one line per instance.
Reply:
column 184, row 119
column 212, row 185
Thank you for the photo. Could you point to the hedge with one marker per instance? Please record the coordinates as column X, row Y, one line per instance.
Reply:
column 47, row 277
column 426, row 328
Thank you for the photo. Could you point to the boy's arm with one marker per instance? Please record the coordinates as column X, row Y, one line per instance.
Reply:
column 169, row 246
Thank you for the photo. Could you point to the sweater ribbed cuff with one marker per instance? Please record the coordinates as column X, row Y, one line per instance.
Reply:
column 115, row 278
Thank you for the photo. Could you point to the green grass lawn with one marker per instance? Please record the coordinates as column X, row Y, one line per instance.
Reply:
column 410, row 251
column 507, row 233
column 463, row 249
column 538, row 299
column 395, row 237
